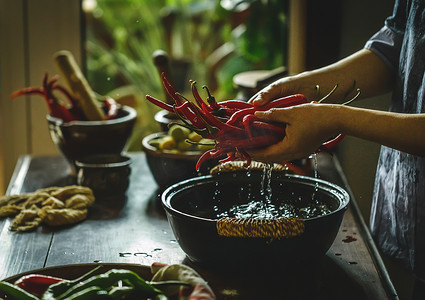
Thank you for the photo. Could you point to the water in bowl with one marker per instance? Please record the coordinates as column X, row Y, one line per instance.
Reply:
column 270, row 205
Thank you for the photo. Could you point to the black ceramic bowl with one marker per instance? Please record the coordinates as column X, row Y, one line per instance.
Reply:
column 170, row 167
column 192, row 206
column 78, row 139
column 164, row 118
column 106, row 174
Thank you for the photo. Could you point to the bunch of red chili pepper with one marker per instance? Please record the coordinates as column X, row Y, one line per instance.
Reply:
column 232, row 124
column 67, row 112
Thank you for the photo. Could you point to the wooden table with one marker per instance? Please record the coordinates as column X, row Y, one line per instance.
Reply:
column 137, row 231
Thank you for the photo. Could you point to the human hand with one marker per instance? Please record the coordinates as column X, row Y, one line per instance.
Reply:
column 284, row 87
column 307, row 127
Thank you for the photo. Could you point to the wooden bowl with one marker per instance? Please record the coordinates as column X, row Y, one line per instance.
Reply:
column 170, row 167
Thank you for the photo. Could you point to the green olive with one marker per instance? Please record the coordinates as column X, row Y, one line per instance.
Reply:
column 167, row 143
column 184, row 146
column 179, row 133
column 194, row 137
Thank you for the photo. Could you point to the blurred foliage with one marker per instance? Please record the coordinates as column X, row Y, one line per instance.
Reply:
column 121, row 37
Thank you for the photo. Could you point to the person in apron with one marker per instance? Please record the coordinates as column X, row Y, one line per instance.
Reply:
column 392, row 60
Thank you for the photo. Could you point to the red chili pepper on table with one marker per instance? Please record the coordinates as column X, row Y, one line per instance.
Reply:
column 36, row 284
column 232, row 123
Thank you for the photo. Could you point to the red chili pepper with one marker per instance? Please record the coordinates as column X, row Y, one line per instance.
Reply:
column 159, row 103
column 75, row 110
column 61, row 112
column 255, row 142
column 213, row 121
column 36, row 284
column 328, row 146
column 188, row 110
column 170, row 90
column 232, row 123
column 210, row 154
column 244, row 156
column 238, row 116
column 285, row 102
column 211, row 100
column 278, row 103
column 235, row 104
column 231, row 156
column 198, row 98
column 70, row 98
column 253, row 125
column 27, row 91
column 260, row 127
column 247, row 122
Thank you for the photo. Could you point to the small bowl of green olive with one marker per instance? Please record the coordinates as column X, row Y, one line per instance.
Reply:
column 172, row 155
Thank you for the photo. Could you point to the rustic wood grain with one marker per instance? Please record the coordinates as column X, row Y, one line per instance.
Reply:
column 135, row 230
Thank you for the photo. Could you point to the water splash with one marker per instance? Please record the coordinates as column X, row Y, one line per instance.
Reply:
column 267, row 205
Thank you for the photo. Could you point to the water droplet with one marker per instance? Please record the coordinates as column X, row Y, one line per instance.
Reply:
column 156, row 250
column 144, row 254
column 349, row 239
column 97, row 261
column 124, row 254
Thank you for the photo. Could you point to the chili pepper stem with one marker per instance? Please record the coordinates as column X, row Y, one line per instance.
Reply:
column 211, row 129
column 199, row 143
column 352, row 99
column 211, row 99
column 196, row 95
column 329, row 94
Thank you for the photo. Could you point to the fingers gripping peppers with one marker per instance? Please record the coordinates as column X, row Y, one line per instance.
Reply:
column 232, row 123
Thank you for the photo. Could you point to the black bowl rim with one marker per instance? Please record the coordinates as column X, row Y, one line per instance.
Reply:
column 148, row 148
column 131, row 115
column 124, row 161
column 165, row 196
column 161, row 116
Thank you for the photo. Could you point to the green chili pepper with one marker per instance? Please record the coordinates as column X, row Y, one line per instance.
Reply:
column 110, row 278
column 61, row 287
column 93, row 292
column 15, row 292
column 122, row 292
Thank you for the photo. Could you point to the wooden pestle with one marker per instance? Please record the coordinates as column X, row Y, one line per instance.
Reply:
column 162, row 63
column 79, row 86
